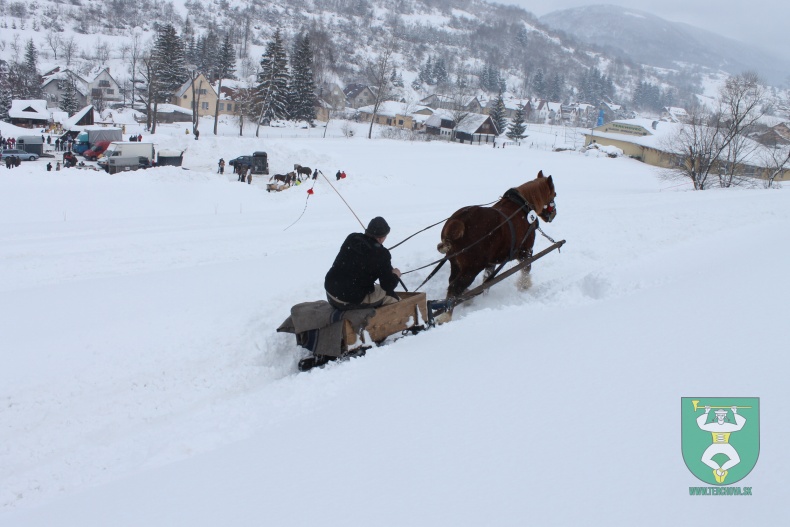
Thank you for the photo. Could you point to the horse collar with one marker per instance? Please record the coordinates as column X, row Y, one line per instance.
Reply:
column 515, row 196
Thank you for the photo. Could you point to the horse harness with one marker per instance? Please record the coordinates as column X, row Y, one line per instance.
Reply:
column 530, row 216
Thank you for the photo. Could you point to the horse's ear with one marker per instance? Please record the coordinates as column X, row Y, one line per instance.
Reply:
column 540, row 173
column 551, row 183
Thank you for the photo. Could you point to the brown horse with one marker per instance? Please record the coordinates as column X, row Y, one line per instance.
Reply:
column 303, row 171
column 288, row 178
column 477, row 238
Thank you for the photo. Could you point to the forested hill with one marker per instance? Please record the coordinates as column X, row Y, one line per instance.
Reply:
column 493, row 46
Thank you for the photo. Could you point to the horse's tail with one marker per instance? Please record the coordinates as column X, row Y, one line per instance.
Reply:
column 453, row 230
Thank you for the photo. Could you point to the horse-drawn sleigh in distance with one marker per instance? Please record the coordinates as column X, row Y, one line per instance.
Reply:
column 474, row 239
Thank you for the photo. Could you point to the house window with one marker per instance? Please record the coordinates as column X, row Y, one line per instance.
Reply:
column 104, row 84
column 202, row 91
column 110, row 91
column 400, row 122
column 204, row 105
column 222, row 106
column 96, row 92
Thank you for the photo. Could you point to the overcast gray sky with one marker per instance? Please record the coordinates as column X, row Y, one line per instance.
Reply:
column 763, row 23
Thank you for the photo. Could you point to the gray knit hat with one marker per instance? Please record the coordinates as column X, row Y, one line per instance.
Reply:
column 377, row 227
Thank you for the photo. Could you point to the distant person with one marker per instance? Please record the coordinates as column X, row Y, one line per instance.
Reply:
column 197, row 134
column 49, row 167
column 140, row 138
column 337, row 176
column 221, row 166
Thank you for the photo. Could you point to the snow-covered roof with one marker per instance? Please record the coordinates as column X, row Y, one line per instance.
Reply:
column 71, row 122
column 471, row 123
column 393, row 108
column 29, row 109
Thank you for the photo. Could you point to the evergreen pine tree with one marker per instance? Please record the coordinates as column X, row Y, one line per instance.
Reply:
column 170, row 59
column 273, row 79
column 69, row 102
column 440, row 74
column 556, row 88
column 30, row 79
column 539, row 84
column 517, row 128
column 498, row 114
column 302, row 84
column 168, row 68
column 5, row 95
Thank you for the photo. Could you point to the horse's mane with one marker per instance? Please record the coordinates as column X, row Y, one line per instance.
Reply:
column 539, row 192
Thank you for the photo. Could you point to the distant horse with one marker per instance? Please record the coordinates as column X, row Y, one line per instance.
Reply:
column 303, row 171
column 287, row 179
column 477, row 238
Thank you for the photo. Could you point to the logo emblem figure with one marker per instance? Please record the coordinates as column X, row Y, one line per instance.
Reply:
column 720, row 447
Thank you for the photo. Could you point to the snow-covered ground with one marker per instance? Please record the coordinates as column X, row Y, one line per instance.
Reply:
column 142, row 381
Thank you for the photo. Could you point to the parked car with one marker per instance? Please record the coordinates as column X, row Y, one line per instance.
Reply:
column 21, row 154
column 259, row 162
column 93, row 153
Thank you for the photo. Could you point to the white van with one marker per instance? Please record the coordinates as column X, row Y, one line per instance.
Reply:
column 127, row 149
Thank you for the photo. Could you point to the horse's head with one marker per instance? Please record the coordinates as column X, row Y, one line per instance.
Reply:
column 540, row 194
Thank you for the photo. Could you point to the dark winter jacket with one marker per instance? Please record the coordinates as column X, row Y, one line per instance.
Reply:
column 361, row 261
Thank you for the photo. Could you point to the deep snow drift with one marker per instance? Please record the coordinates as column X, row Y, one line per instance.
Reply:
column 143, row 382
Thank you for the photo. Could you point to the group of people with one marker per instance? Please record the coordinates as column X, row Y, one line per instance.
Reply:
column 7, row 143
column 341, row 174
column 64, row 144
column 136, row 138
column 69, row 160
column 12, row 161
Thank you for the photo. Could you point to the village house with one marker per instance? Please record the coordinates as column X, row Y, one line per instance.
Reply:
column 778, row 135
column 673, row 114
column 30, row 113
column 333, row 95
column 98, row 88
column 205, row 97
column 54, row 86
column 650, row 141
column 398, row 114
column 447, row 102
column 358, row 95
column 473, row 128
column 511, row 106
column 104, row 90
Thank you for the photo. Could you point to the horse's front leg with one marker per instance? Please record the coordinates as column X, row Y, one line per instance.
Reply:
column 525, row 278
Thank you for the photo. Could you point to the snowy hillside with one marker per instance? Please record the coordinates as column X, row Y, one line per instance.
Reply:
column 143, row 382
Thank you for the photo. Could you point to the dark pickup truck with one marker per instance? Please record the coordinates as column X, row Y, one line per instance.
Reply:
column 258, row 161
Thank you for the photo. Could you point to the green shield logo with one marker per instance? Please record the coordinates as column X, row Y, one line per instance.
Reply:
column 720, row 437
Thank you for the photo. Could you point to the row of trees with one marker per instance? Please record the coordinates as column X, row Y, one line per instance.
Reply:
column 283, row 90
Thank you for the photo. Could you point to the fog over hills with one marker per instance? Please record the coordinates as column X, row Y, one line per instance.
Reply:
column 649, row 39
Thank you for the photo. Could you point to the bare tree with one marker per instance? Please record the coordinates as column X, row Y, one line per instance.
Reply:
column 135, row 56
column 741, row 99
column 716, row 144
column 69, row 49
column 460, row 98
column 378, row 72
column 54, row 42
column 194, row 74
column 698, row 145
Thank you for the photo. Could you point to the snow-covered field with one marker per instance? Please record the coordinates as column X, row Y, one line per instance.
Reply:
column 143, row 384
